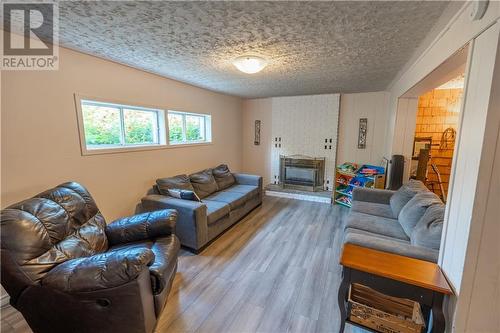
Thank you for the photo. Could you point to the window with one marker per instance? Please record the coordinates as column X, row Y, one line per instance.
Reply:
column 185, row 128
column 109, row 126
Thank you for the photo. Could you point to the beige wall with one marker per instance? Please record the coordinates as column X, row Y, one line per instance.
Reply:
column 469, row 255
column 257, row 159
column 373, row 106
column 40, row 146
column 485, row 274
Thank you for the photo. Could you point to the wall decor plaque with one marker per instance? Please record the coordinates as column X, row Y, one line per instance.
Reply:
column 256, row 140
column 363, row 126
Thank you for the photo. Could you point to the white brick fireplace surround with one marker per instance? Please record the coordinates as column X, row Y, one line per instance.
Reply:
column 305, row 125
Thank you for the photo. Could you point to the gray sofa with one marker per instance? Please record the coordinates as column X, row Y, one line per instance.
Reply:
column 407, row 222
column 225, row 198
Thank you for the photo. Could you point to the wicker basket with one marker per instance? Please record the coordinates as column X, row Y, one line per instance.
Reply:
column 384, row 313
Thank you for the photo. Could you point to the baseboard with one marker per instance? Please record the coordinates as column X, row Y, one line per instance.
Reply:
column 298, row 196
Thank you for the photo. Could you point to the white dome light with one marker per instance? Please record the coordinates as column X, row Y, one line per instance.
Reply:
column 250, row 64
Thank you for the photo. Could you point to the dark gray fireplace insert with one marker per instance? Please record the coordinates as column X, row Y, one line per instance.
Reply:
column 302, row 172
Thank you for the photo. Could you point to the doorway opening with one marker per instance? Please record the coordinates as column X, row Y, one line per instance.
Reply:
column 436, row 128
column 427, row 124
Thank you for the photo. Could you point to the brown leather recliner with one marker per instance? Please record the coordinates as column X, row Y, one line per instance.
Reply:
column 67, row 271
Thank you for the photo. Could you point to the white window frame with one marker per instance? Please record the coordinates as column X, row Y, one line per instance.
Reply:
column 207, row 123
column 161, row 127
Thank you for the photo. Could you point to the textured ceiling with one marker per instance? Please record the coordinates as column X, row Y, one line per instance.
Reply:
column 312, row 47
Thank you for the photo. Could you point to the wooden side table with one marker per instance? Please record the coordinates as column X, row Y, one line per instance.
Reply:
column 394, row 275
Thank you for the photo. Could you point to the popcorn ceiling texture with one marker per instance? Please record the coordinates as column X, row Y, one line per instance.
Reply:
column 312, row 47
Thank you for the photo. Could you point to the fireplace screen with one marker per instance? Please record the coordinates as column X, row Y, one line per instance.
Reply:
column 302, row 172
column 304, row 176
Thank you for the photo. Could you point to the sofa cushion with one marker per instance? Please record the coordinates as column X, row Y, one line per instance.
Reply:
column 180, row 182
column 348, row 231
column 234, row 199
column 404, row 194
column 388, row 244
column 250, row 190
column 223, row 176
column 376, row 224
column 372, row 208
column 204, row 183
column 427, row 232
column 183, row 194
column 216, row 210
column 413, row 211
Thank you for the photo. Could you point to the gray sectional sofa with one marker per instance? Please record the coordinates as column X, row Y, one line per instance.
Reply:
column 225, row 198
column 407, row 222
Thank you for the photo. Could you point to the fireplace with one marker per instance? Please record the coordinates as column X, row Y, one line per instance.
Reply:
column 302, row 172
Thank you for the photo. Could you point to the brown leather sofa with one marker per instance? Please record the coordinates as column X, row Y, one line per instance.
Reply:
column 67, row 271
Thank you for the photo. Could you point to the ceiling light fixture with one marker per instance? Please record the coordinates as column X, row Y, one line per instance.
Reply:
column 250, row 64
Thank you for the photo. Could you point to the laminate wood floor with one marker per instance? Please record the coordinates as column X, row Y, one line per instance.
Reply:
column 275, row 271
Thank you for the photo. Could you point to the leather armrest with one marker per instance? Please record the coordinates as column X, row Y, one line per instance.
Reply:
column 100, row 271
column 246, row 179
column 142, row 226
column 372, row 195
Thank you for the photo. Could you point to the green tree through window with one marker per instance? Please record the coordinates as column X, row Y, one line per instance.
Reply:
column 187, row 127
column 113, row 125
column 139, row 126
column 175, row 124
column 102, row 125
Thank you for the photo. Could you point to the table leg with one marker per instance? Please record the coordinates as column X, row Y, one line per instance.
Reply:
column 438, row 320
column 342, row 297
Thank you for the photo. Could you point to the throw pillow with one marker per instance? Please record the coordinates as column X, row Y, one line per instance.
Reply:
column 413, row 211
column 427, row 232
column 178, row 182
column 401, row 197
column 204, row 183
column 223, row 177
column 184, row 194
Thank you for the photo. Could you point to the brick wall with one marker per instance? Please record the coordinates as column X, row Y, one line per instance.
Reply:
column 437, row 111
column 303, row 123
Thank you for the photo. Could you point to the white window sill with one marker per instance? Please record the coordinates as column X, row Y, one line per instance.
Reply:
column 128, row 149
column 188, row 144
